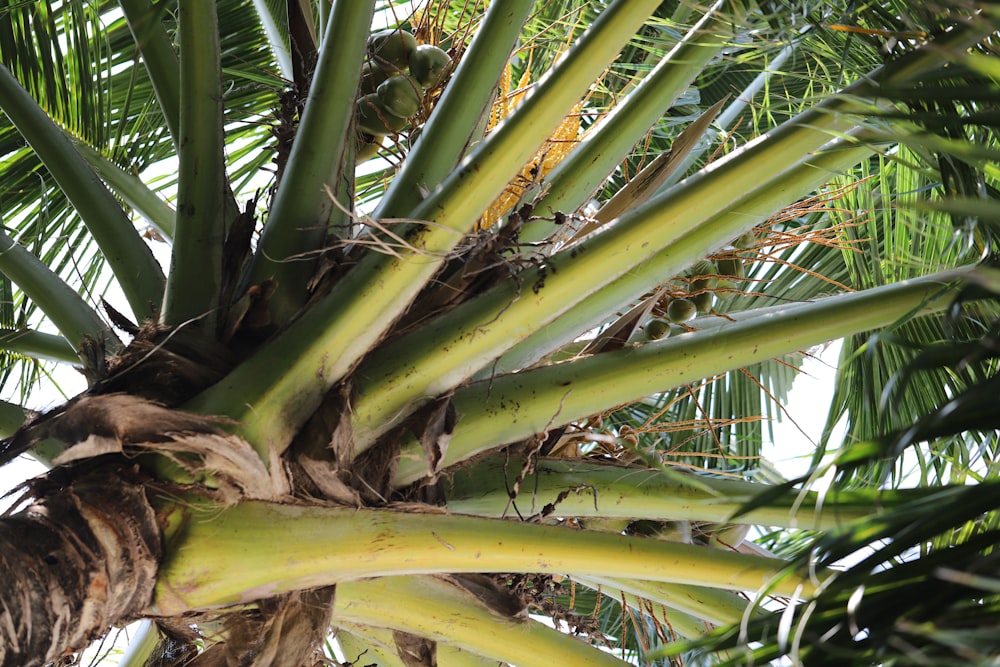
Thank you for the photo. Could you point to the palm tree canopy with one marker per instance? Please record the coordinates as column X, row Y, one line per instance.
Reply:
column 384, row 295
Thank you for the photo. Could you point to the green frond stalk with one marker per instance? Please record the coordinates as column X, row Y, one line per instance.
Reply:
column 38, row 345
column 604, row 146
column 611, row 491
column 379, row 644
column 445, row 612
column 363, row 642
column 158, row 57
column 12, row 417
column 129, row 187
column 142, row 646
column 319, row 546
column 195, row 278
column 295, row 229
column 76, row 320
column 137, row 272
column 491, row 412
column 708, row 605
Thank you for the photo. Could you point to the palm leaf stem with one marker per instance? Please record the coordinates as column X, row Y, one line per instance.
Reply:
column 159, row 58
column 364, row 644
column 139, row 275
column 728, row 116
column 131, row 188
column 38, row 345
column 580, row 489
column 705, row 604
column 493, row 412
column 142, row 646
column 74, row 319
column 439, row 610
column 12, row 417
column 274, row 399
column 744, row 214
column 321, row 546
column 608, row 142
column 379, row 644
column 467, row 98
column 674, row 230
column 296, row 223
column 194, row 281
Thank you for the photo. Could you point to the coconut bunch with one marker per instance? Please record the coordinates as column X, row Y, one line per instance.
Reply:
column 395, row 81
column 694, row 293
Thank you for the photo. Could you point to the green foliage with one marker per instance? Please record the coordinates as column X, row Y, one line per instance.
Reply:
column 388, row 306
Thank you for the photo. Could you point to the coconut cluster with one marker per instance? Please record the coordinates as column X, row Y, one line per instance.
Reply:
column 394, row 81
column 706, row 281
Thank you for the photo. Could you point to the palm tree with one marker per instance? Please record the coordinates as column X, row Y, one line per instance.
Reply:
column 458, row 331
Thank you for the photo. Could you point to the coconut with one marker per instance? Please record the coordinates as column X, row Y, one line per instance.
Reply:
column 400, row 95
column 391, row 49
column 372, row 77
column 374, row 119
column 656, row 329
column 427, row 64
column 730, row 266
column 703, row 301
column 681, row 310
column 702, row 267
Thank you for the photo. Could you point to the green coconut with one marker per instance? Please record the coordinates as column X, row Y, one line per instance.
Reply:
column 374, row 119
column 656, row 329
column 681, row 310
column 400, row 95
column 730, row 266
column 367, row 147
column 391, row 49
column 372, row 77
column 703, row 301
column 746, row 240
column 427, row 64
column 702, row 267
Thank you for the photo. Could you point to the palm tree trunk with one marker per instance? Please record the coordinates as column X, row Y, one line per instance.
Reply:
column 80, row 559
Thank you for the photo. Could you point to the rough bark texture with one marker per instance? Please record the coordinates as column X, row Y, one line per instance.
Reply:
column 80, row 559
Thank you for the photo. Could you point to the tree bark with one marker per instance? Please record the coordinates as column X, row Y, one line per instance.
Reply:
column 81, row 558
